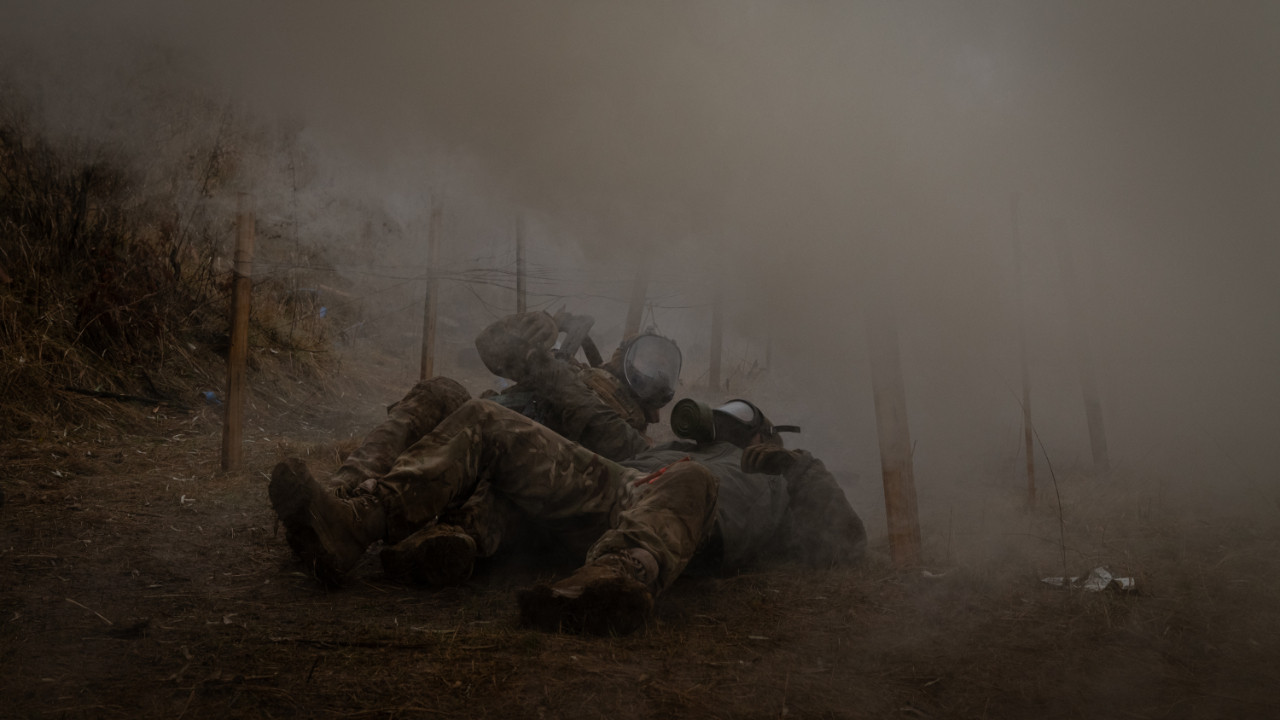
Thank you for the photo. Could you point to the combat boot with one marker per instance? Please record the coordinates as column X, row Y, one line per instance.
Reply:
column 612, row 595
column 329, row 534
column 437, row 556
column 344, row 482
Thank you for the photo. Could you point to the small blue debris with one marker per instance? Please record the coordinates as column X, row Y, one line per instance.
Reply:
column 211, row 397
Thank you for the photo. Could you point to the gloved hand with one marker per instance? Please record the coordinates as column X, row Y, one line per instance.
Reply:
column 536, row 329
column 768, row 459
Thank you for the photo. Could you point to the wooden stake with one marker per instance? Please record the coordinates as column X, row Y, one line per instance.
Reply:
column 241, row 291
column 890, row 397
column 1088, row 381
column 1028, row 430
column 522, row 304
column 639, row 291
column 717, row 339
column 429, row 307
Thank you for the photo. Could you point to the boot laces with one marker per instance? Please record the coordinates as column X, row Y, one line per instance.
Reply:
column 633, row 562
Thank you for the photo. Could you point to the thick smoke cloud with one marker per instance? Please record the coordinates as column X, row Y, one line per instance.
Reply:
column 794, row 155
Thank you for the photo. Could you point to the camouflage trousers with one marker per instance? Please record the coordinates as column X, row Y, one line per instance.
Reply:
column 483, row 515
column 480, row 465
column 415, row 415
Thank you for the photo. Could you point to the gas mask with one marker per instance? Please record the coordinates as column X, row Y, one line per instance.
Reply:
column 737, row 422
column 651, row 367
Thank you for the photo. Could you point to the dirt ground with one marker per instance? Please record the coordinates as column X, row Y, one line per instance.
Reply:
column 136, row 580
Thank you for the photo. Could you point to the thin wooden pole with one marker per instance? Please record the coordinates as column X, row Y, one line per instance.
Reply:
column 889, row 392
column 241, row 291
column 522, row 303
column 1088, row 380
column 429, row 307
column 717, row 339
column 639, row 291
column 1028, row 429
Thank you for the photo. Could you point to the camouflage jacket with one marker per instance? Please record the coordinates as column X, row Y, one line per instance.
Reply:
column 587, row 405
column 803, row 516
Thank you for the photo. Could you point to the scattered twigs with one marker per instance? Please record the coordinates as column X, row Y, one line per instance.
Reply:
column 95, row 612
column 397, row 711
column 123, row 397
column 352, row 643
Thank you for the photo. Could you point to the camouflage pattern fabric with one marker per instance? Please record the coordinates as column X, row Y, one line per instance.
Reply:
column 417, row 414
column 507, row 345
column 803, row 516
column 586, row 500
column 486, row 516
column 567, row 405
column 614, row 392
column 590, row 406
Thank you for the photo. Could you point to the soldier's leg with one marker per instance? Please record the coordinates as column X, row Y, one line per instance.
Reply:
column 649, row 545
column 669, row 518
column 444, row 552
column 487, row 517
column 539, row 472
column 329, row 534
column 415, row 415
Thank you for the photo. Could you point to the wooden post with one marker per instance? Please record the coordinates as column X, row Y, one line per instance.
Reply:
column 1088, row 381
column 522, row 304
column 717, row 338
column 429, row 307
column 241, row 290
column 639, row 291
column 1028, row 430
column 890, row 397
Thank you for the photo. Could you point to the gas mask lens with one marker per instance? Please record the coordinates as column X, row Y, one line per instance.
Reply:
column 740, row 410
column 651, row 368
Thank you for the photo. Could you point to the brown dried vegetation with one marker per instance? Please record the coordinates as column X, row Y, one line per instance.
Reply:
column 114, row 282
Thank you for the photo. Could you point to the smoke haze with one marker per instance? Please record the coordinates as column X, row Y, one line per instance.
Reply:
column 796, row 157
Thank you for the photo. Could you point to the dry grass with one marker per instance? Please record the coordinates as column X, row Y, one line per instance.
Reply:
column 142, row 583
column 113, row 284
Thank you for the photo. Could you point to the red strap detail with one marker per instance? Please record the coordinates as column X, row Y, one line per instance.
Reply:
column 657, row 473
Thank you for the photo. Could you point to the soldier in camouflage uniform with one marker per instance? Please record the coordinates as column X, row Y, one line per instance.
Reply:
column 639, row 523
column 605, row 409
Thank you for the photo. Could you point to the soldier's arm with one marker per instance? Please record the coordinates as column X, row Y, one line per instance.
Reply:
column 821, row 527
column 518, row 347
column 581, row 414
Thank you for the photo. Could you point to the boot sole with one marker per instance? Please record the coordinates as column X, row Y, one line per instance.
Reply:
column 435, row 560
column 615, row 606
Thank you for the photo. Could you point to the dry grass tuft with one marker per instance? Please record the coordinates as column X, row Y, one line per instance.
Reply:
column 114, row 284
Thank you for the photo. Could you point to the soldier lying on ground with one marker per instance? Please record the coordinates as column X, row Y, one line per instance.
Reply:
column 606, row 409
column 731, row 496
